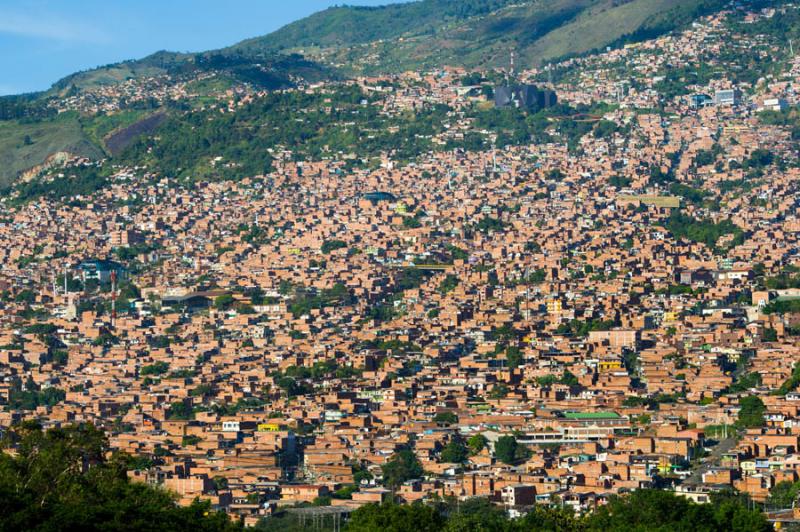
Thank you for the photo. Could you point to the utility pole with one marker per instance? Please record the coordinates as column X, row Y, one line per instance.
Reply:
column 494, row 154
column 528, row 293
column 113, row 298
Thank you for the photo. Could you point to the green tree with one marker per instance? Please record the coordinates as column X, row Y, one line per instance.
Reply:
column 345, row 492
column 32, row 397
column 59, row 479
column 223, row 302
column 568, row 378
column 190, row 439
column 545, row 519
column 783, row 494
column 180, row 410
column 360, row 474
column 546, row 380
column 395, row 518
column 332, row 245
column 605, row 129
column 498, row 391
column 445, row 418
column 662, row 510
column 220, row 483
column 323, row 500
column 159, row 368
column 402, row 466
column 449, row 284
column 455, row 452
column 477, row 514
column 751, row 412
column 508, row 450
column 477, row 443
column 770, row 335
column 514, row 356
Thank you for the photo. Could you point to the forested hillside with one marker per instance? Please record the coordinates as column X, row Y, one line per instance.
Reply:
column 477, row 33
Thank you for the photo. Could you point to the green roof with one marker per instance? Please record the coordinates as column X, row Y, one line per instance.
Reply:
column 590, row 415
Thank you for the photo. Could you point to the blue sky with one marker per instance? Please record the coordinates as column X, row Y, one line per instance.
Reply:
column 42, row 41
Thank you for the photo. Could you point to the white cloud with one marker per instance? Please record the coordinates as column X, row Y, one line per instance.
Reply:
column 50, row 27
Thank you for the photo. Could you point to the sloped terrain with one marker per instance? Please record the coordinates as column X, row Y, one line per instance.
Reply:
column 434, row 33
column 338, row 41
column 24, row 145
column 267, row 71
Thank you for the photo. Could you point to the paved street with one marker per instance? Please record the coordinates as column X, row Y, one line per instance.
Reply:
column 711, row 461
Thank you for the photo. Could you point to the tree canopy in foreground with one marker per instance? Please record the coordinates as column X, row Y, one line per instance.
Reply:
column 642, row 510
column 59, row 479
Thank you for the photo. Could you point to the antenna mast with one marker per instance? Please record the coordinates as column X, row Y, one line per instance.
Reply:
column 113, row 298
column 494, row 154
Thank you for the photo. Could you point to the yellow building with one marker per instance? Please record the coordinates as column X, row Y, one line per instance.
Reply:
column 554, row 306
column 610, row 365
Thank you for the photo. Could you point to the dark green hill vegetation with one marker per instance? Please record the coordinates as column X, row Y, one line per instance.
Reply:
column 312, row 125
column 703, row 231
column 783, row 306
column 660, row 18
column 102, row 125
column 77, row 181
column 343, row 122
column 24, row 106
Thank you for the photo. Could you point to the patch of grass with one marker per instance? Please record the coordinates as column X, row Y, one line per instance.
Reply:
column 45, row 138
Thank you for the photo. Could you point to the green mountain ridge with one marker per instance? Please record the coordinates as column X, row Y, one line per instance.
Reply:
column 269, row 71
column 349, row 25
column 419, row 34
column 340, row 41
column 478, row 33
column 30, row 133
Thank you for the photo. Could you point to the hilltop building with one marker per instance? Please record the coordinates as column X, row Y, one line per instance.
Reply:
column 528, row 96
column 728, row 97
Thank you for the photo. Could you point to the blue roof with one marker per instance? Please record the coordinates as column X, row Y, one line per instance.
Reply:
column 101, row 264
